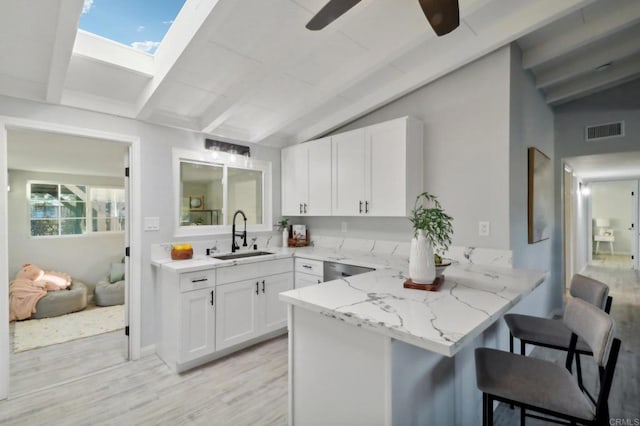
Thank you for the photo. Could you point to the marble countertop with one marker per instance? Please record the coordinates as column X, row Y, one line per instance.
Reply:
column 471, row 299
column 351, row 257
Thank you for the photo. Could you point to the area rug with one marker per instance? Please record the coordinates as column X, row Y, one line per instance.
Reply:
column 35, row 333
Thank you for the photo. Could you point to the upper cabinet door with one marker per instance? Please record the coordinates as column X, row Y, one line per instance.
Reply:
column 295, row 182
column 386, row 169
column 348, row 169
column 319, row 178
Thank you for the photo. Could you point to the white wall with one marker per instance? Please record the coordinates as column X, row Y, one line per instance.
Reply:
column 86, row 258
column 156, row 176
column 466, row 154
column 613, row 201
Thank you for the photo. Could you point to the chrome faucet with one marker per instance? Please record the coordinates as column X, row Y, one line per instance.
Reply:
column 235, row 234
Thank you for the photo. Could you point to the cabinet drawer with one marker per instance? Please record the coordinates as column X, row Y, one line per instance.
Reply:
column 197, row 279
column 306, row 280
column 254, row 270
column 308, row 266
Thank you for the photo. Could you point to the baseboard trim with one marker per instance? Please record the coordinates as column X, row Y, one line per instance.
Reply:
column 147, row 350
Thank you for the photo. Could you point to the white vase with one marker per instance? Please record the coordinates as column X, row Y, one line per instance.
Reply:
column 285, row 238
column 422, row 268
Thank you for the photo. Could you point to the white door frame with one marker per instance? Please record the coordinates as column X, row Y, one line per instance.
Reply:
column 135, row 232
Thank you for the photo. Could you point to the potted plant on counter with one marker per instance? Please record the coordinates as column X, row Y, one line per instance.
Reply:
column 283, row 226
column 432, row 230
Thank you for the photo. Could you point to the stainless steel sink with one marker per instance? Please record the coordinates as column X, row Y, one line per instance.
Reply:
column 242, row 255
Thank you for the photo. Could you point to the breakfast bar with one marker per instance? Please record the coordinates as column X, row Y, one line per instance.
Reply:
column 365, row 350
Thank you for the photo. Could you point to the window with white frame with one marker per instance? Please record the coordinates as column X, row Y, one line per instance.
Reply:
column 64, row 209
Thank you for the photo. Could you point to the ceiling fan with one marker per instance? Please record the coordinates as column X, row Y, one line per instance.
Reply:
column 443, row 15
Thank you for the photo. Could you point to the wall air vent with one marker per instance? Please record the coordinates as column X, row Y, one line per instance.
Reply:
column 604, row 131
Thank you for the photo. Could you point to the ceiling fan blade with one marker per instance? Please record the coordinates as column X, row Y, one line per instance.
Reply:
column 443, row 15
column 329, row 13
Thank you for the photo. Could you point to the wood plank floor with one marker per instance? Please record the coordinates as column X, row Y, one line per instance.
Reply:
column 247, row 388
column 250, row 387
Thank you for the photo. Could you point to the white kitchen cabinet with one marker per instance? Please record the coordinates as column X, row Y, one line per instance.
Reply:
column 250, row 308
column 186, row 319
column 197, row 322
column 273, row 312
column 306, row 179
column 308, row 272
column 236, row 313
column 377, row 170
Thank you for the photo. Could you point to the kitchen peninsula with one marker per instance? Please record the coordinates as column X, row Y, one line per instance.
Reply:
column 365, row 350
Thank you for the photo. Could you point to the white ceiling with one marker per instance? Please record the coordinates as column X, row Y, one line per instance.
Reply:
column 606, row 166
column 248, row 70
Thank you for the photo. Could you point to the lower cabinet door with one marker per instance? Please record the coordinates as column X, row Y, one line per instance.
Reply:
column 306, row 280
column 274, row 311
column 236, row 312
column 197, row 328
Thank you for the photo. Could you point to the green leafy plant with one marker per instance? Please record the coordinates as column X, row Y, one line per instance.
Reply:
column 428, row 215
column 283, row 224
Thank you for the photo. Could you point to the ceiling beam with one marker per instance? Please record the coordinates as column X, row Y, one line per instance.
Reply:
column 187, row 24
column 617, row 18
column 619, row 73
column 64, row 39
column 613, row 50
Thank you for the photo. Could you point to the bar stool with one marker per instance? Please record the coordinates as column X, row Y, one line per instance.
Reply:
column 547, row 388
column 553, row 333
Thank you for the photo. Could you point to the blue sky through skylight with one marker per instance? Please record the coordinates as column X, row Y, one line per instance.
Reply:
column 137, row 23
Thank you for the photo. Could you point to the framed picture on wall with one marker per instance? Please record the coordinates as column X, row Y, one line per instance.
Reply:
column 540, row 205
column 196, row 203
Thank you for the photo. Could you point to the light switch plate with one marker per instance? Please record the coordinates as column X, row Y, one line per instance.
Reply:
column 151, row 223
column 484, row 228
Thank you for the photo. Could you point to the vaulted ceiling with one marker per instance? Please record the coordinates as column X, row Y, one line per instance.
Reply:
column 248, row 70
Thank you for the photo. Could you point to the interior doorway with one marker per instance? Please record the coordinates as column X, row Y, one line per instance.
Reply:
column 130, row 151
column 613, row 213
column 67, row 210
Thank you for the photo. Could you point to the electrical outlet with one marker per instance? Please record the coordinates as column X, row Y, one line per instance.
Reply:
column 343, row 227
column 484, row 229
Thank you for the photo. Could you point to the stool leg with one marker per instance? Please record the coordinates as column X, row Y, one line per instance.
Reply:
column 522, row 416
column 487, row 410
column 510, row 342
column 522, row 348
column 579, row 372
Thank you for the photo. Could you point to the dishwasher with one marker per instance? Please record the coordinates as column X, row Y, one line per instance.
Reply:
column 335, row 270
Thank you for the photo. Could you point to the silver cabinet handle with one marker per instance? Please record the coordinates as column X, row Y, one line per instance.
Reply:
column 199, row 280
column 305, row 207
column 300, row 208
column 366, row 207
column 307, row 266
column 360, row 208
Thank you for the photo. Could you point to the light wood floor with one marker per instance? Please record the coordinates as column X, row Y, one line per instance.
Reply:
column 48, row 366
column 624, row 401
column 615, row 261
column 250, row 387
column 247, row 388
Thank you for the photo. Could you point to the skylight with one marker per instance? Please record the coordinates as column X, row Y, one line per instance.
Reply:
column 141, row 24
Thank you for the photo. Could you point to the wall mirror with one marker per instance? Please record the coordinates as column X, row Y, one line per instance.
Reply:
column 211, row 186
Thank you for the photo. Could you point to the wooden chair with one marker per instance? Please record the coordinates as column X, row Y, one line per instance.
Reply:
column 546, row 388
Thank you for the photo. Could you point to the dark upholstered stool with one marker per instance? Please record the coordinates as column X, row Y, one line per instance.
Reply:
column 545, row 387
column 553, row 333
